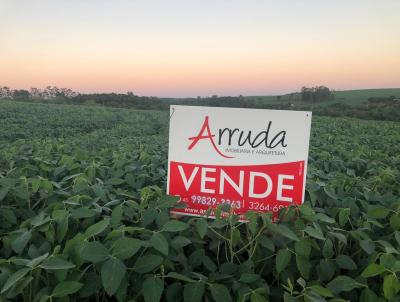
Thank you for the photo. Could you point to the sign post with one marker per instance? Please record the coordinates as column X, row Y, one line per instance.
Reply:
column 251, row 159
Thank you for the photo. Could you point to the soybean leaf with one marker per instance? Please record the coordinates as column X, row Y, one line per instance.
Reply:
column 96, row 228
column 193, row 292
column 303, row 248
column 179, row 277
column 345, row 262
column 264, row 241
column 249, row 278
column 326, row 269
column 159, row 242
column 116, row 216
column 342, row 238
column 19, row 287
column 391, row 286
column 220, row 293
column 66, row 288
column 327, row 249
column 344, row 215
column 343, row 284
column 14, row 278
column 256, row 297
column 3, row 192
column 282, row 259
column 388, row 261
column 179, row 242
column 152, row 289
column 149, row 216
column 378, row 212
column 56, row 263
column 325, row 218
column 83, row 213
column 124, row 248
column 35, row 262
column 168, row 201
column 147, row 263
column 174, row 226
column 19, row 243
column 395, row 222
column 323, row 291
column 304, row 266
column 94, row 252
column 285, row 231
column 397, row 237
column 368, row 295
column 62, row 219
column 313, row 232
column 373, row 270
column 92, row 285
column 114, row 181
column 9, row 216
column 330, row 192
column 368, row 246
column 201, row 227
column 112, row 273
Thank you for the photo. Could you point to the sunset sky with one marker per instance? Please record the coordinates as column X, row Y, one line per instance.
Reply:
column 191, row 48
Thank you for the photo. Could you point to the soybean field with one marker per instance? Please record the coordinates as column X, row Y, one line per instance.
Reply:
column 84, row 216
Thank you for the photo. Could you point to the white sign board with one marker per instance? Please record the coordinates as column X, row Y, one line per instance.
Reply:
column 252, row 159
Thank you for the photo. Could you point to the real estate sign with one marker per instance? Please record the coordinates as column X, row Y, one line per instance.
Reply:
column 251, row 159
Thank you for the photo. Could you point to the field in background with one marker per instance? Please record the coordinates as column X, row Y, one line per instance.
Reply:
column 372, row 104
column 83, row 215
column 349, row 97
column 356, row 97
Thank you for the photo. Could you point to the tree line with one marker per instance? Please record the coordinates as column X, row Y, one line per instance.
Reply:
column 49, row 92
column 315, row 94
column 381, row 108
column 65, row 95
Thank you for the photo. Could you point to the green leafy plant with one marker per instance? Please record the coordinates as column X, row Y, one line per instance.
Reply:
column 83, row 216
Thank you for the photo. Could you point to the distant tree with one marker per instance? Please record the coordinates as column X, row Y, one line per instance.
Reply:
column 20, row 94
column 306, row 94
column 5, row 92
column 35, row 93
column 316, row 94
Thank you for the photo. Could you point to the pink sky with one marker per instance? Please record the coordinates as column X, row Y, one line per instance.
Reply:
column 199, row 48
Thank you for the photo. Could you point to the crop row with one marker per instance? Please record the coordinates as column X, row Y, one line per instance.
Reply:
column 83, row 216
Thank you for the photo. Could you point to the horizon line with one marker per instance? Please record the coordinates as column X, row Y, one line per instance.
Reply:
column 202, row 96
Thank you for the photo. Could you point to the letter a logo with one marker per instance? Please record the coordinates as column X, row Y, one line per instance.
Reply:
column 205, row 133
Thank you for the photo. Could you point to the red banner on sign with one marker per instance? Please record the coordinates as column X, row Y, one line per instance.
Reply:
column 260, row 188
